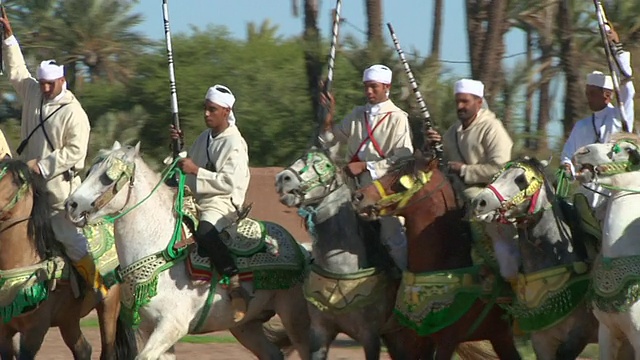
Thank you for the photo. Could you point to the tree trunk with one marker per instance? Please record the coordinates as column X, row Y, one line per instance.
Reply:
column 312, row 52
column 436, row 35
column 493, row 49
column 570, row 63
column 374, row 28
column 476, row 15
column 486, row 25
column 544, row 102
column 528, row 109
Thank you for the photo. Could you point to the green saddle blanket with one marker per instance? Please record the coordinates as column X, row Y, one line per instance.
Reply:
column 585, row 216
column 22, row 289
column 265, row 249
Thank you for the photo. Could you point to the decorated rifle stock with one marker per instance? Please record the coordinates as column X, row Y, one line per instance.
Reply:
column 427, row 123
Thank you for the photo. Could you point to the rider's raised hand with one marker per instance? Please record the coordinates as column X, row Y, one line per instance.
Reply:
column 5, row 22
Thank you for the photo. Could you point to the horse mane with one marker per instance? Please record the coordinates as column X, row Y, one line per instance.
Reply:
column 39, row 227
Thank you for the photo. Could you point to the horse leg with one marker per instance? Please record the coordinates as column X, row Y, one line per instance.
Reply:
column 31, row 340
column 108, row 311
column 322, row 334
column 504, row 345
column 252, row 337
column 291, row 307
column 545, row 347
column 169, row 355
column 406, row 344
column 609, row 343
column 371, row 344
column 75, row 340
column 7, row 349
column 169, row 330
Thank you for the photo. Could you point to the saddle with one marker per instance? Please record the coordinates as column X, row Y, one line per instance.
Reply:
column 582, row 220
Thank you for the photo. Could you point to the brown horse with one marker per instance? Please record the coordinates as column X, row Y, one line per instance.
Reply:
column 30, row 301
column 442, row 295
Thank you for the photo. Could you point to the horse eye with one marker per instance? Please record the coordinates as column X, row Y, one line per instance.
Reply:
column 105, row 180
column 521, row 181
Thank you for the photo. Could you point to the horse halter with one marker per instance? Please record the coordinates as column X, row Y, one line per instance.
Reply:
column 531, row 192
column 20, row 193
column 325, row 175
column 119, row 173
column 412, row 185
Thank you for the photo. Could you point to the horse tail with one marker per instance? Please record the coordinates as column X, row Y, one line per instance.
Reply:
column 476, row 350
column 126, row 345
column 277, row 335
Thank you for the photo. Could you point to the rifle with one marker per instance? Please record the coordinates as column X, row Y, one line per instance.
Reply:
column 177, row 144
column 2, row 10
column 427, row 123
column 611, row 60
column 322, row 111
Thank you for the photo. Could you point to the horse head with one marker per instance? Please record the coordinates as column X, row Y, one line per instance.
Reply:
column 411, row 180
column 601, row 163
column 24, row 197
column 308, row 180
column 100, row 194
column 516, row 192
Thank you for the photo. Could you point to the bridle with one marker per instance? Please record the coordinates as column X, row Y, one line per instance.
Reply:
column 325, row 176
column 15, row 199
column 532, row 193
column 120, row 172
column 412, row 185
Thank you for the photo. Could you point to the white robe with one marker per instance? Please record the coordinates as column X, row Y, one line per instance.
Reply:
column 225, row 182
column 599, row 126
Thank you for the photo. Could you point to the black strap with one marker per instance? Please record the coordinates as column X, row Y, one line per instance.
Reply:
column 595, row 130
column 210, row 166
column 24, row 142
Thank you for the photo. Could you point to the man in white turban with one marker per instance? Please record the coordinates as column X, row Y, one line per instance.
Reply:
column 475, row 149
column 376, row 135
column 605, row 120
column 218, row 174
column 55, row 136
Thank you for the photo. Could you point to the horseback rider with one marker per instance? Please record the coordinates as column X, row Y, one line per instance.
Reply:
column 376, row 135
column 604, row 121
column 475, row 150
column 5, row 151
column 55, row 130
column 218, row 173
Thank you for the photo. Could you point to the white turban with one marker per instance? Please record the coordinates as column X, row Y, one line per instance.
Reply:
column 377, row 73
column 468, row 86
column 601, row 80
column 49, row 70
column 221, row 95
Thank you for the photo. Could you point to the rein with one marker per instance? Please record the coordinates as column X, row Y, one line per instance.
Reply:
column 532, row 192
column 413, row 184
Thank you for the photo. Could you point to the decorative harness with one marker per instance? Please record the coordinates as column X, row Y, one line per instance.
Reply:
column 119, row 173
column 532, row 191
column 19, row 194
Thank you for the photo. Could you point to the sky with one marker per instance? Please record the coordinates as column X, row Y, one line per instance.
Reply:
column 412, row 21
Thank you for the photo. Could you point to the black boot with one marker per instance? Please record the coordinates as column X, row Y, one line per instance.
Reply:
column 225, row 265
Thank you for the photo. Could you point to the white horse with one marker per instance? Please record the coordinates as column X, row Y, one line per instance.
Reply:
column 170, row 302
column 616, row 273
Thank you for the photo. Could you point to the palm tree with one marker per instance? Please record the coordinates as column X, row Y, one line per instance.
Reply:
column 93, row 38
column 374, row 28
column 436, row 36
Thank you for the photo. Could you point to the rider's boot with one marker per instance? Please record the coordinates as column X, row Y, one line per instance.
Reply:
column 225, row 265
column 87, row 269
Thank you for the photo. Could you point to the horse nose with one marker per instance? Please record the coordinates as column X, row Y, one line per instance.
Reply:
column 71, row 205
column 357, row 197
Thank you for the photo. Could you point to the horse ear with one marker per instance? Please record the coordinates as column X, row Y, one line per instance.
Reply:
column 544, row 163
column 116, row 145
column 417, row 153
column 136, row 149
column 634, row 156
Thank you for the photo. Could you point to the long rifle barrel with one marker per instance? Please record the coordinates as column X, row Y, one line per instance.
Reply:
column 611, row 60
column 427, row 123
column 177, row 144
